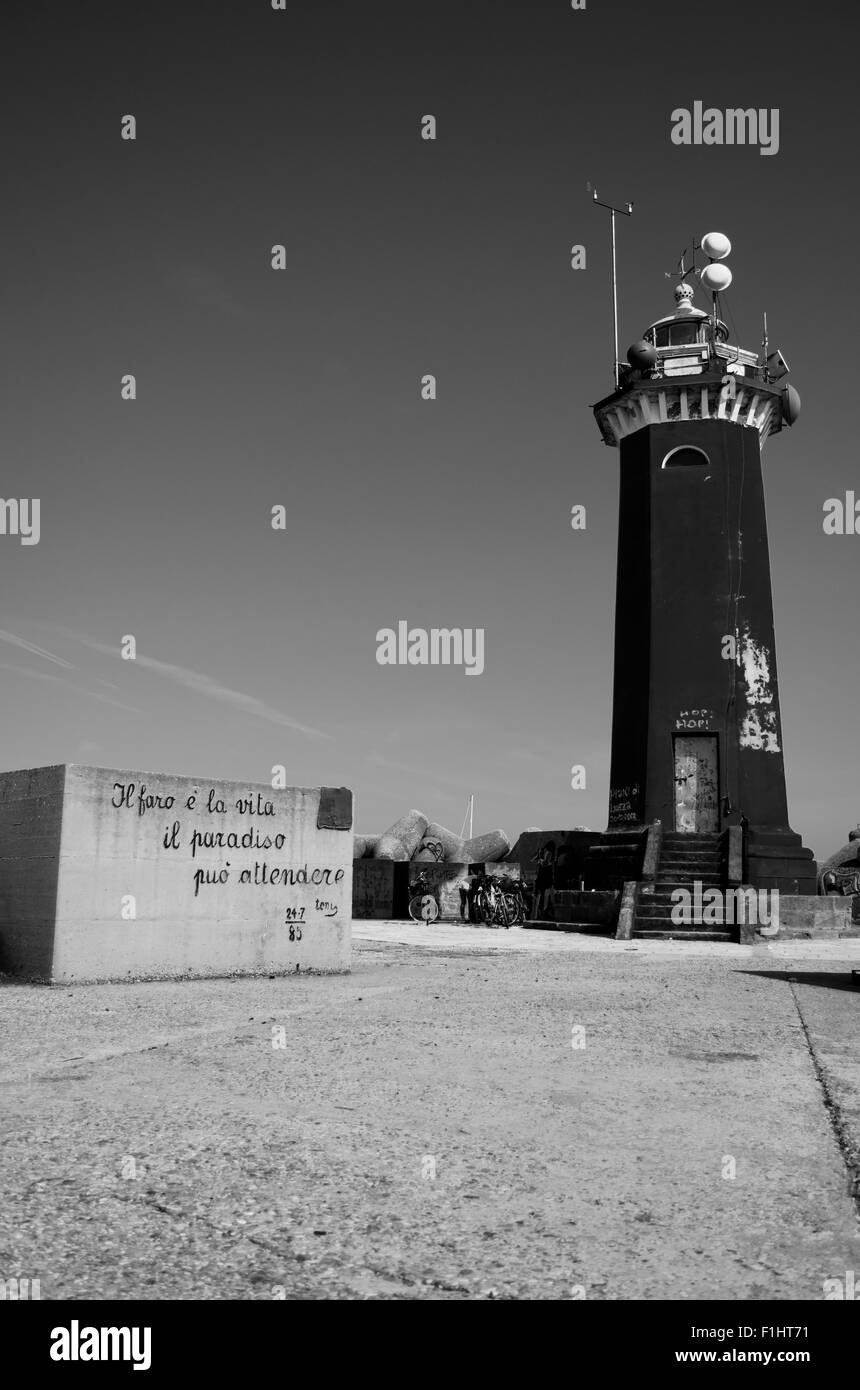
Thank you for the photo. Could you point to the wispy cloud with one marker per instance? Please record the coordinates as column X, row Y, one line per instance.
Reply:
column 197, row 681
column 205, row 685
column 14, row 641
column 68, row 685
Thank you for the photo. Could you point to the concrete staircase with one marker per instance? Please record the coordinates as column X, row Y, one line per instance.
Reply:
column 684, row 859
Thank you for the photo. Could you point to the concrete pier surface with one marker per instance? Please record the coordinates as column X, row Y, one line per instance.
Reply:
column 471, row 1114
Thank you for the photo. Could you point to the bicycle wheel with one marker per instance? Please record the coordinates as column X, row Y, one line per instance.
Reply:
column 486, row 911
column 423, row 908
column 505, row 910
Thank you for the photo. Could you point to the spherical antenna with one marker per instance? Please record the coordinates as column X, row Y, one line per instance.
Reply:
column 716, row 246
column 716, row 278
column 642, row 356
column 790, row 405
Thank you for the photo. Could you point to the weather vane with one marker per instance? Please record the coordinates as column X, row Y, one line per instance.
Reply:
column 628, row 212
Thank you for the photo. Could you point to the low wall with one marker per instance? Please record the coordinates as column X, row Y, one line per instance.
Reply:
column 381, row 888
column 807, row 917
column 560, row 853
column 112, row 875
column 598, row 909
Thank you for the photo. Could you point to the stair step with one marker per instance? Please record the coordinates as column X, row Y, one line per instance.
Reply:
column 691, row 835
column 690, row 849
column 681, row 934
column 704, row 848
column 692, row 841
column 669, row 853
column 692, row 856
column 671, row 874
column 664, row 912
column 664, row 896
column 666, row 924
column 675, row 873
column 693, row 867
column 667, row 885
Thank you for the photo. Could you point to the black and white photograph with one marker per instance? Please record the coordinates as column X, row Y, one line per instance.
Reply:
column 429, row 824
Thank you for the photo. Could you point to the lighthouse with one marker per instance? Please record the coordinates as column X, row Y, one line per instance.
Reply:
column 697, row 740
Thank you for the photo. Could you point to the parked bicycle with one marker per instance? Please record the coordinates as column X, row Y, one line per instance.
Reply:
column 423, row 900
column 500, row 902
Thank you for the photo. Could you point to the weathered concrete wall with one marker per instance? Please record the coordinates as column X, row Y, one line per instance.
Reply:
column 803, row 917
column 31, row 805
column 380, row 889
column 161, row 876
column 587, row 909
column 560, row 853
column 447, row 879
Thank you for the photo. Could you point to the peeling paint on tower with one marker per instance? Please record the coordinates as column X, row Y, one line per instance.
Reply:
column 760, row 728
column 760, row 731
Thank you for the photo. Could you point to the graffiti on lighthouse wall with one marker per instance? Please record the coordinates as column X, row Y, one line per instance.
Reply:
column 694, row 719
column 625, row 804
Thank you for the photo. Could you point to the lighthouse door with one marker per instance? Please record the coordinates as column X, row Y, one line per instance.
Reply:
column 696, row 783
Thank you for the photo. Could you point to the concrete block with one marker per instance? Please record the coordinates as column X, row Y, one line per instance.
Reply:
column 446, row 879
column 439, row 845
column 808, row 917
column 362, row 845
column 486, row 849
column 558, row 855
column 627, row 911
column 31, row 807
column 113, row 875
column 401, row 839
column 380, row 889
column 587, row 909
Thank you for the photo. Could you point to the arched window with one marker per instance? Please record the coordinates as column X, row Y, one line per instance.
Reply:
column 684, row 456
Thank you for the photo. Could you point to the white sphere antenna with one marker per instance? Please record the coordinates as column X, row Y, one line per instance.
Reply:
column 715, row 278
column 716, row 246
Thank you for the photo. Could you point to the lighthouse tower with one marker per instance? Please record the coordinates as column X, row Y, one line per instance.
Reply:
column 697, row 739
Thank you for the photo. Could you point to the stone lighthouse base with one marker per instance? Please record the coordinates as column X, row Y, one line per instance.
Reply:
column 778, row 859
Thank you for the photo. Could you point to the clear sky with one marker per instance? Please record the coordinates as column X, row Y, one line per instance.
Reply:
column 302, row 388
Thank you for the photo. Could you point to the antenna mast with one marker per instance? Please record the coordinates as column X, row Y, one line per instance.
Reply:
column 628, row 212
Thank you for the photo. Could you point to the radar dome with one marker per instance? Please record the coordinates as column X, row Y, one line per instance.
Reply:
column 716, row 278
column 642, row 356
column 716, row 246
column 790, row 404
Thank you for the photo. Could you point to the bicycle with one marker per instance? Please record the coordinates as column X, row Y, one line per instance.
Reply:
column 423, row 900
column 500, row 903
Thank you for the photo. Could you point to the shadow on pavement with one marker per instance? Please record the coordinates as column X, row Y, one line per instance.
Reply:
column 825, row 979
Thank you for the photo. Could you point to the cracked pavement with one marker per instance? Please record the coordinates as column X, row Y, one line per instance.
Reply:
column 468, row 1115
